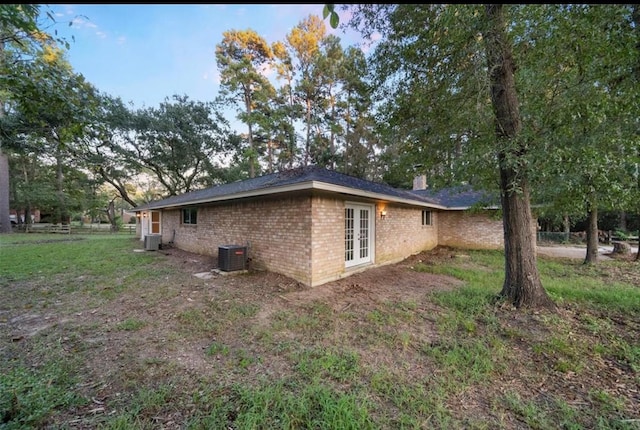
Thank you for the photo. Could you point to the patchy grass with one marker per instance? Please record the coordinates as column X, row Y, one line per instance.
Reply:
column 95, row 335
column 131, row 324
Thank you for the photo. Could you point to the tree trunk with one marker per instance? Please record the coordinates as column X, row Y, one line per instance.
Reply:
column 121, row 188
column 27, row 214
column 5, row 219
column 111, row 214
column 638, row 250
column 522, row 285
column 291, row 129
column 592, row 236
column 622, row 225
column 307, row 144
column 252, row 151
column 332, row 135
column 270, row 155
column 566, row 225
column 635, row 15
column 62, row 215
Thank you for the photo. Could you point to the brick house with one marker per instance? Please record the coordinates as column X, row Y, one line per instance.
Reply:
column 317, row 225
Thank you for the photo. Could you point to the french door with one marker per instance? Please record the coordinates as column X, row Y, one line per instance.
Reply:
column 358, row 225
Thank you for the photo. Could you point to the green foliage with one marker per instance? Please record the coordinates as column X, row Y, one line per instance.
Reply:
column 240, row 56
column 75, row 257
column 145, row 404
column 343, row 366
column 329, row 11
column 196, row 320
column 557, row 412
column 314, row 321
column 575, row 287
column 418, row 402
column 178, row 142
column 577, row 115
column 622, row 235
column 216, row 348
column 529, row 412
column 627, row 351
column 290, row 407
column 465, row 362
column 28, row 396
column 131, row 324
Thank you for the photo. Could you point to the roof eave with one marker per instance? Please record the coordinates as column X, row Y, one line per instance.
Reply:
column 464, row 208
column 302, row 186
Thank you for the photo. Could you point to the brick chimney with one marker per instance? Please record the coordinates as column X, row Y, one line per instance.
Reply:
column 420, row 182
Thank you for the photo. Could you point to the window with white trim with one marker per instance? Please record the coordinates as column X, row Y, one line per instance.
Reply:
column 427, row 217
column 190, row 216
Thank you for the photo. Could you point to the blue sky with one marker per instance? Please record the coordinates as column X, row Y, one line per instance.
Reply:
column 144, row 53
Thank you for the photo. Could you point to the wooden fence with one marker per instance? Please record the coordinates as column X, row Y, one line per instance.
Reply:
column 80, row 229
column 48, row 228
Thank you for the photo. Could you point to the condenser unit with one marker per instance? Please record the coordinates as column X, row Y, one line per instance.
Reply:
column 152, row 242
column 232, row 257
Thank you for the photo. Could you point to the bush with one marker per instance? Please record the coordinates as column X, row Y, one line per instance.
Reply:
column 622, row 235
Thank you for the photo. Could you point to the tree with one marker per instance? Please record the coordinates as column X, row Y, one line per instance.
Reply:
column 32, row 185
column 103, row 147
column 580, row 110
column 180, row 143
column 287, row 111
column 361, row 139
column 241, row 58
column 50, row 104
column 19, row 33
column 304, row 41
column 522, row 285
column 440, row 48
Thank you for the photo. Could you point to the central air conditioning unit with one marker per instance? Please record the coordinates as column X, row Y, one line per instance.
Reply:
column 152, row 242
column 232, row 257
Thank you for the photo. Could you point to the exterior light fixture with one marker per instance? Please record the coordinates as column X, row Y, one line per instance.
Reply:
column 383, row 213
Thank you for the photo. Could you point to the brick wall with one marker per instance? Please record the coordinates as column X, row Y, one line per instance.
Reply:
column 327, row 234
column 462, row 229
column 303, row 236
column 276, row 232
column 396, row 237
column 401, row 233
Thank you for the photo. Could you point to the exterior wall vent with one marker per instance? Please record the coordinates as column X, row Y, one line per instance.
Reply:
column 232, row 257
column 152, row 242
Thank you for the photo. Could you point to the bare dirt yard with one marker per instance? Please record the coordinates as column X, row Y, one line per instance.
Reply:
column 192, row 335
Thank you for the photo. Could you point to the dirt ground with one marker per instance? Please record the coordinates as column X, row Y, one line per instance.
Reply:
column 118, row 356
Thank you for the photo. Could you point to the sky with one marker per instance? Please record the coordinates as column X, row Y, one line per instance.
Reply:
column 145, row 53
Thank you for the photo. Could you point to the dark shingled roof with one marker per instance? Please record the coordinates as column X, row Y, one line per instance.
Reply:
column 271, row 182
column 461, row 197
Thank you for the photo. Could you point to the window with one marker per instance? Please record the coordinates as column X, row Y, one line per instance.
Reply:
column 427, row 218
column 190, row 216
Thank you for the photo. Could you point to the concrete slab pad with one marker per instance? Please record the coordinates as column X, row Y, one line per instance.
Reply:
column 203, row 275
column 223, row 273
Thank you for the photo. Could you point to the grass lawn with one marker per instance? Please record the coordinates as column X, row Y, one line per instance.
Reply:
column 95, row 334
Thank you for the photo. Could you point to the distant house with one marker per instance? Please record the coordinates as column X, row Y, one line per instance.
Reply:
column 17, row 216
column 317, row 225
